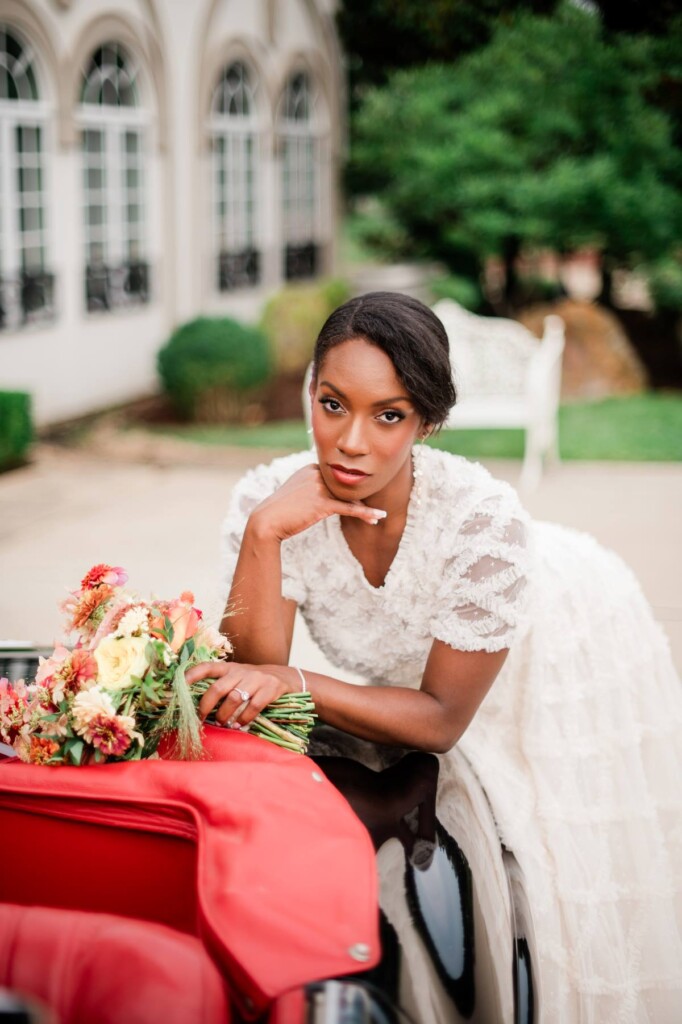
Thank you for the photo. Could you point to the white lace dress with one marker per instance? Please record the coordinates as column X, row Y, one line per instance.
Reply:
column 578, row 744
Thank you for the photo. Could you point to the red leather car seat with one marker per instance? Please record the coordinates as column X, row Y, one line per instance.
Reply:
column 97, row 967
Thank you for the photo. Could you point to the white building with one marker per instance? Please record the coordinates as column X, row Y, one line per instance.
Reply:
column 158, row 159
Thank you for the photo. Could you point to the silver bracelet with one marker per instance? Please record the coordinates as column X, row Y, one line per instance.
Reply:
column 303, row 682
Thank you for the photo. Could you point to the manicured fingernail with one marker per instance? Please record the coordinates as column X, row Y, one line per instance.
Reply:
column 379, row 513
column 373, row 522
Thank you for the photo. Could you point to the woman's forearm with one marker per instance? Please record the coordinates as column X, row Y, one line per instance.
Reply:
column 255, row 619
column 387, row 714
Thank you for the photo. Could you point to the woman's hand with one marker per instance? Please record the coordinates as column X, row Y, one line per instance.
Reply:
column 302, row 501
column 232, row 682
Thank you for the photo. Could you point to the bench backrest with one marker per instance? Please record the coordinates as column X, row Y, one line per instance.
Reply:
column 490, row 355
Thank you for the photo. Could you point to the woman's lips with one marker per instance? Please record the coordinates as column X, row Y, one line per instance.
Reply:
column 348, row 477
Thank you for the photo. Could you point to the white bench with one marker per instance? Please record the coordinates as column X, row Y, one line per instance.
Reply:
column 506, row 377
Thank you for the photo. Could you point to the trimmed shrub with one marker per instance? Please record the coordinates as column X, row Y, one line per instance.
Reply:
column 292, row 320
column 16, row 428
column 212, row 367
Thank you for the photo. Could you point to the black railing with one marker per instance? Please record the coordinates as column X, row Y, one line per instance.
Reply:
column 109, row 287
column 26, row 298
column 238, row 269
column 301, row 261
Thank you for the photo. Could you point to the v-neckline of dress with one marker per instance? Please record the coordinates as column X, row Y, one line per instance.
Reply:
column 413, row 505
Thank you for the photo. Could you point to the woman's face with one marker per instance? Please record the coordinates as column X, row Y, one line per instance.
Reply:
column 364, row 422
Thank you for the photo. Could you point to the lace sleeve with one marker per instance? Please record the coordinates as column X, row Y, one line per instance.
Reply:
column 480, row 599
column 253, row 488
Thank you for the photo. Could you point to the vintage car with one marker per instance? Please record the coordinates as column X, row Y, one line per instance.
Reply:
column 456, row 937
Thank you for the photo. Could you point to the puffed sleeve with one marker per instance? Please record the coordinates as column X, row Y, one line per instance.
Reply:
column 480, row 598
column 254, row 487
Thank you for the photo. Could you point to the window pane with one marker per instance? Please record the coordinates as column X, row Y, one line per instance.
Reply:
column 93, row 141
column 32, row 258
column 94, row 178
column 109, row 78
column 233, row 96
column 17, row 76
column 95, row 215
column 30, row 179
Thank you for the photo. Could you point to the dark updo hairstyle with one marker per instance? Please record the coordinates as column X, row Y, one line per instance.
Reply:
column 412, row 337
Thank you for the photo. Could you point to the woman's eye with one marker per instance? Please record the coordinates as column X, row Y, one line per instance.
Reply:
column 391, row 416
column 331, row 404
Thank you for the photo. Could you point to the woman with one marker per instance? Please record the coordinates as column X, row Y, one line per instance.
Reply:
column 526, row 644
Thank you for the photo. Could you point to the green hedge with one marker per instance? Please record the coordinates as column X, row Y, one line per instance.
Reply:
column 16, row 428
column 211, row 367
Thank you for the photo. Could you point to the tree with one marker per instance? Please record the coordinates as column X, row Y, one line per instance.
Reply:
column 547, row 136
column 381, row 36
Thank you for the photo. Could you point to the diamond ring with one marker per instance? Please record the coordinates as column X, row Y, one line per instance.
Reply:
column 243, row 694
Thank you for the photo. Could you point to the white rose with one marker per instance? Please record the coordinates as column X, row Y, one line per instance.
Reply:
column 119, row 658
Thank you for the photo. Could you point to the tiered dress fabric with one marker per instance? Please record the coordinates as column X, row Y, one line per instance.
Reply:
column 578, row 744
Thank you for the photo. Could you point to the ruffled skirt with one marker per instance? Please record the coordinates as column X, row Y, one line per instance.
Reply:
column 579, row 749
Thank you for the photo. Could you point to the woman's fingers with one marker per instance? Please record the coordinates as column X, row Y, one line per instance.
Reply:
column 358, row 511
column 238, row 693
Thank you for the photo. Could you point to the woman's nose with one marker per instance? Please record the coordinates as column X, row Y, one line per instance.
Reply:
column 352, row 439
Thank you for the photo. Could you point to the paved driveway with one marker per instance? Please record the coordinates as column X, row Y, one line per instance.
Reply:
column 157, row 511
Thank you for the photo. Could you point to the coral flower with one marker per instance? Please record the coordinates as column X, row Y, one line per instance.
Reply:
column 41, row 750
column 83, row 608
column 112, row 736
column 113, row 575
column 184, row 618
column 76, row 672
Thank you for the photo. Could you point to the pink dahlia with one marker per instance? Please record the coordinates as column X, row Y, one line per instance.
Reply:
column 112, row 736
column 113, row 575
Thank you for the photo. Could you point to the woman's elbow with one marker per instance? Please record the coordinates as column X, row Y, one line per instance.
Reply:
column 441, row 740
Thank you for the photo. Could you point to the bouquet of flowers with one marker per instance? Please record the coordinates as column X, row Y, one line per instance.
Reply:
column 122, row 687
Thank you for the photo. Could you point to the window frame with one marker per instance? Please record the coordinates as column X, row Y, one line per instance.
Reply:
column 300, row 147
column 118, row 280
column 26, row 289
column 234, row 162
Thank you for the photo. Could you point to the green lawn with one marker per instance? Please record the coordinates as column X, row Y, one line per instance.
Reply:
column 639, row 428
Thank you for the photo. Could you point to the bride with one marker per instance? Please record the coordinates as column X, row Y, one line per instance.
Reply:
column 526, row 644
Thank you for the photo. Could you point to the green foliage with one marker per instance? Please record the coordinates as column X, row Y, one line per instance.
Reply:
column 461, row 289
column 375, row 233
column 665, row 284
column 293, row 317
column 547, row 136
column 210, row 367
column 380, row 36
column 16, row 428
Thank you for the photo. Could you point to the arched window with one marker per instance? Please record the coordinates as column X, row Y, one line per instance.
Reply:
column 300, row 178
column 26, row 286
column 113, row 148
column 234, row 169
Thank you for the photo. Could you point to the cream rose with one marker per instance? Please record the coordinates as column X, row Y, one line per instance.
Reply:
column 119, row 658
